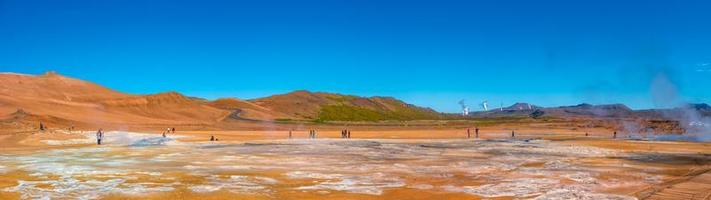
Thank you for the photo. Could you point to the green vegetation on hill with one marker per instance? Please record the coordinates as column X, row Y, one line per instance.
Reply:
column 354, row 113
column 324, row 107
column 341, row 98
column 348, row 113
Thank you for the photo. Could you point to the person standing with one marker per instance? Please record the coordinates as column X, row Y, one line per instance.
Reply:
column 476, row 132
column 469, row 134
column 99, row 136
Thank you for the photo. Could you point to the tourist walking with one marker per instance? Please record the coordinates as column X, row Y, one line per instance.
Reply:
column 99, row 136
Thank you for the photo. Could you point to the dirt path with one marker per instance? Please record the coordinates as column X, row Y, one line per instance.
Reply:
column 695, row 186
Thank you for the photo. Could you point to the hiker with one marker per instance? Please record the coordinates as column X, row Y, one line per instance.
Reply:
column 513, row 134
column 586, row 134
column 42, row 126
column 163, row 134
column 212, row 138
column 614, row 135
column 476, row 131
column 348, row 133
column 469, row 134
column 173, row 130
column 99, row 136
column 289, row 134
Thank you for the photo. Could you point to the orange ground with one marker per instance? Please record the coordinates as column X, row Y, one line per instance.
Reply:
column 670, row 160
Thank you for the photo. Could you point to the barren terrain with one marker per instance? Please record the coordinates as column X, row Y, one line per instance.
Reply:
column 396, row 150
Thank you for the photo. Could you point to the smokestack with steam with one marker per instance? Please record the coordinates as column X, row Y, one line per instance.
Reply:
column 465, row 108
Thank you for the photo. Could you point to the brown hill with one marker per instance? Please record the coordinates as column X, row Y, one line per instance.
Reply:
column 56, row 99
column 322, row 106
column 55, row 96
column 247, row 110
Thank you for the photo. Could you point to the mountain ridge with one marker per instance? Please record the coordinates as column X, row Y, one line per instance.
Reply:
column 64, row 99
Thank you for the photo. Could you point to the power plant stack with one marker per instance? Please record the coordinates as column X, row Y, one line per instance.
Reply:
column 465, row 108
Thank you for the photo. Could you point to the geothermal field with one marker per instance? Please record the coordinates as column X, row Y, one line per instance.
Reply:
column 355, row 100
column 133, row 165
column 262, row 148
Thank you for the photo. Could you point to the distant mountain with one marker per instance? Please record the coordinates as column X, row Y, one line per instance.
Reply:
column 518, row 109
column 589, row 110
column 56, row 99
column 337, row 107
column 521, row 106
column 608, row 111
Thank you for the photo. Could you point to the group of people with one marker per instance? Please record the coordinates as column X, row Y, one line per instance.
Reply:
column 169, row 130
column 513, row 133
column 476, row 132
column 312, row 134
column 345, row 133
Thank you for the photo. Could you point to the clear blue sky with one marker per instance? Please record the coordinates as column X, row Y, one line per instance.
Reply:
column 431, row 53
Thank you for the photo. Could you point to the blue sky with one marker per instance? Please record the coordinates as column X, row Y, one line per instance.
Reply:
column 431, row 53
